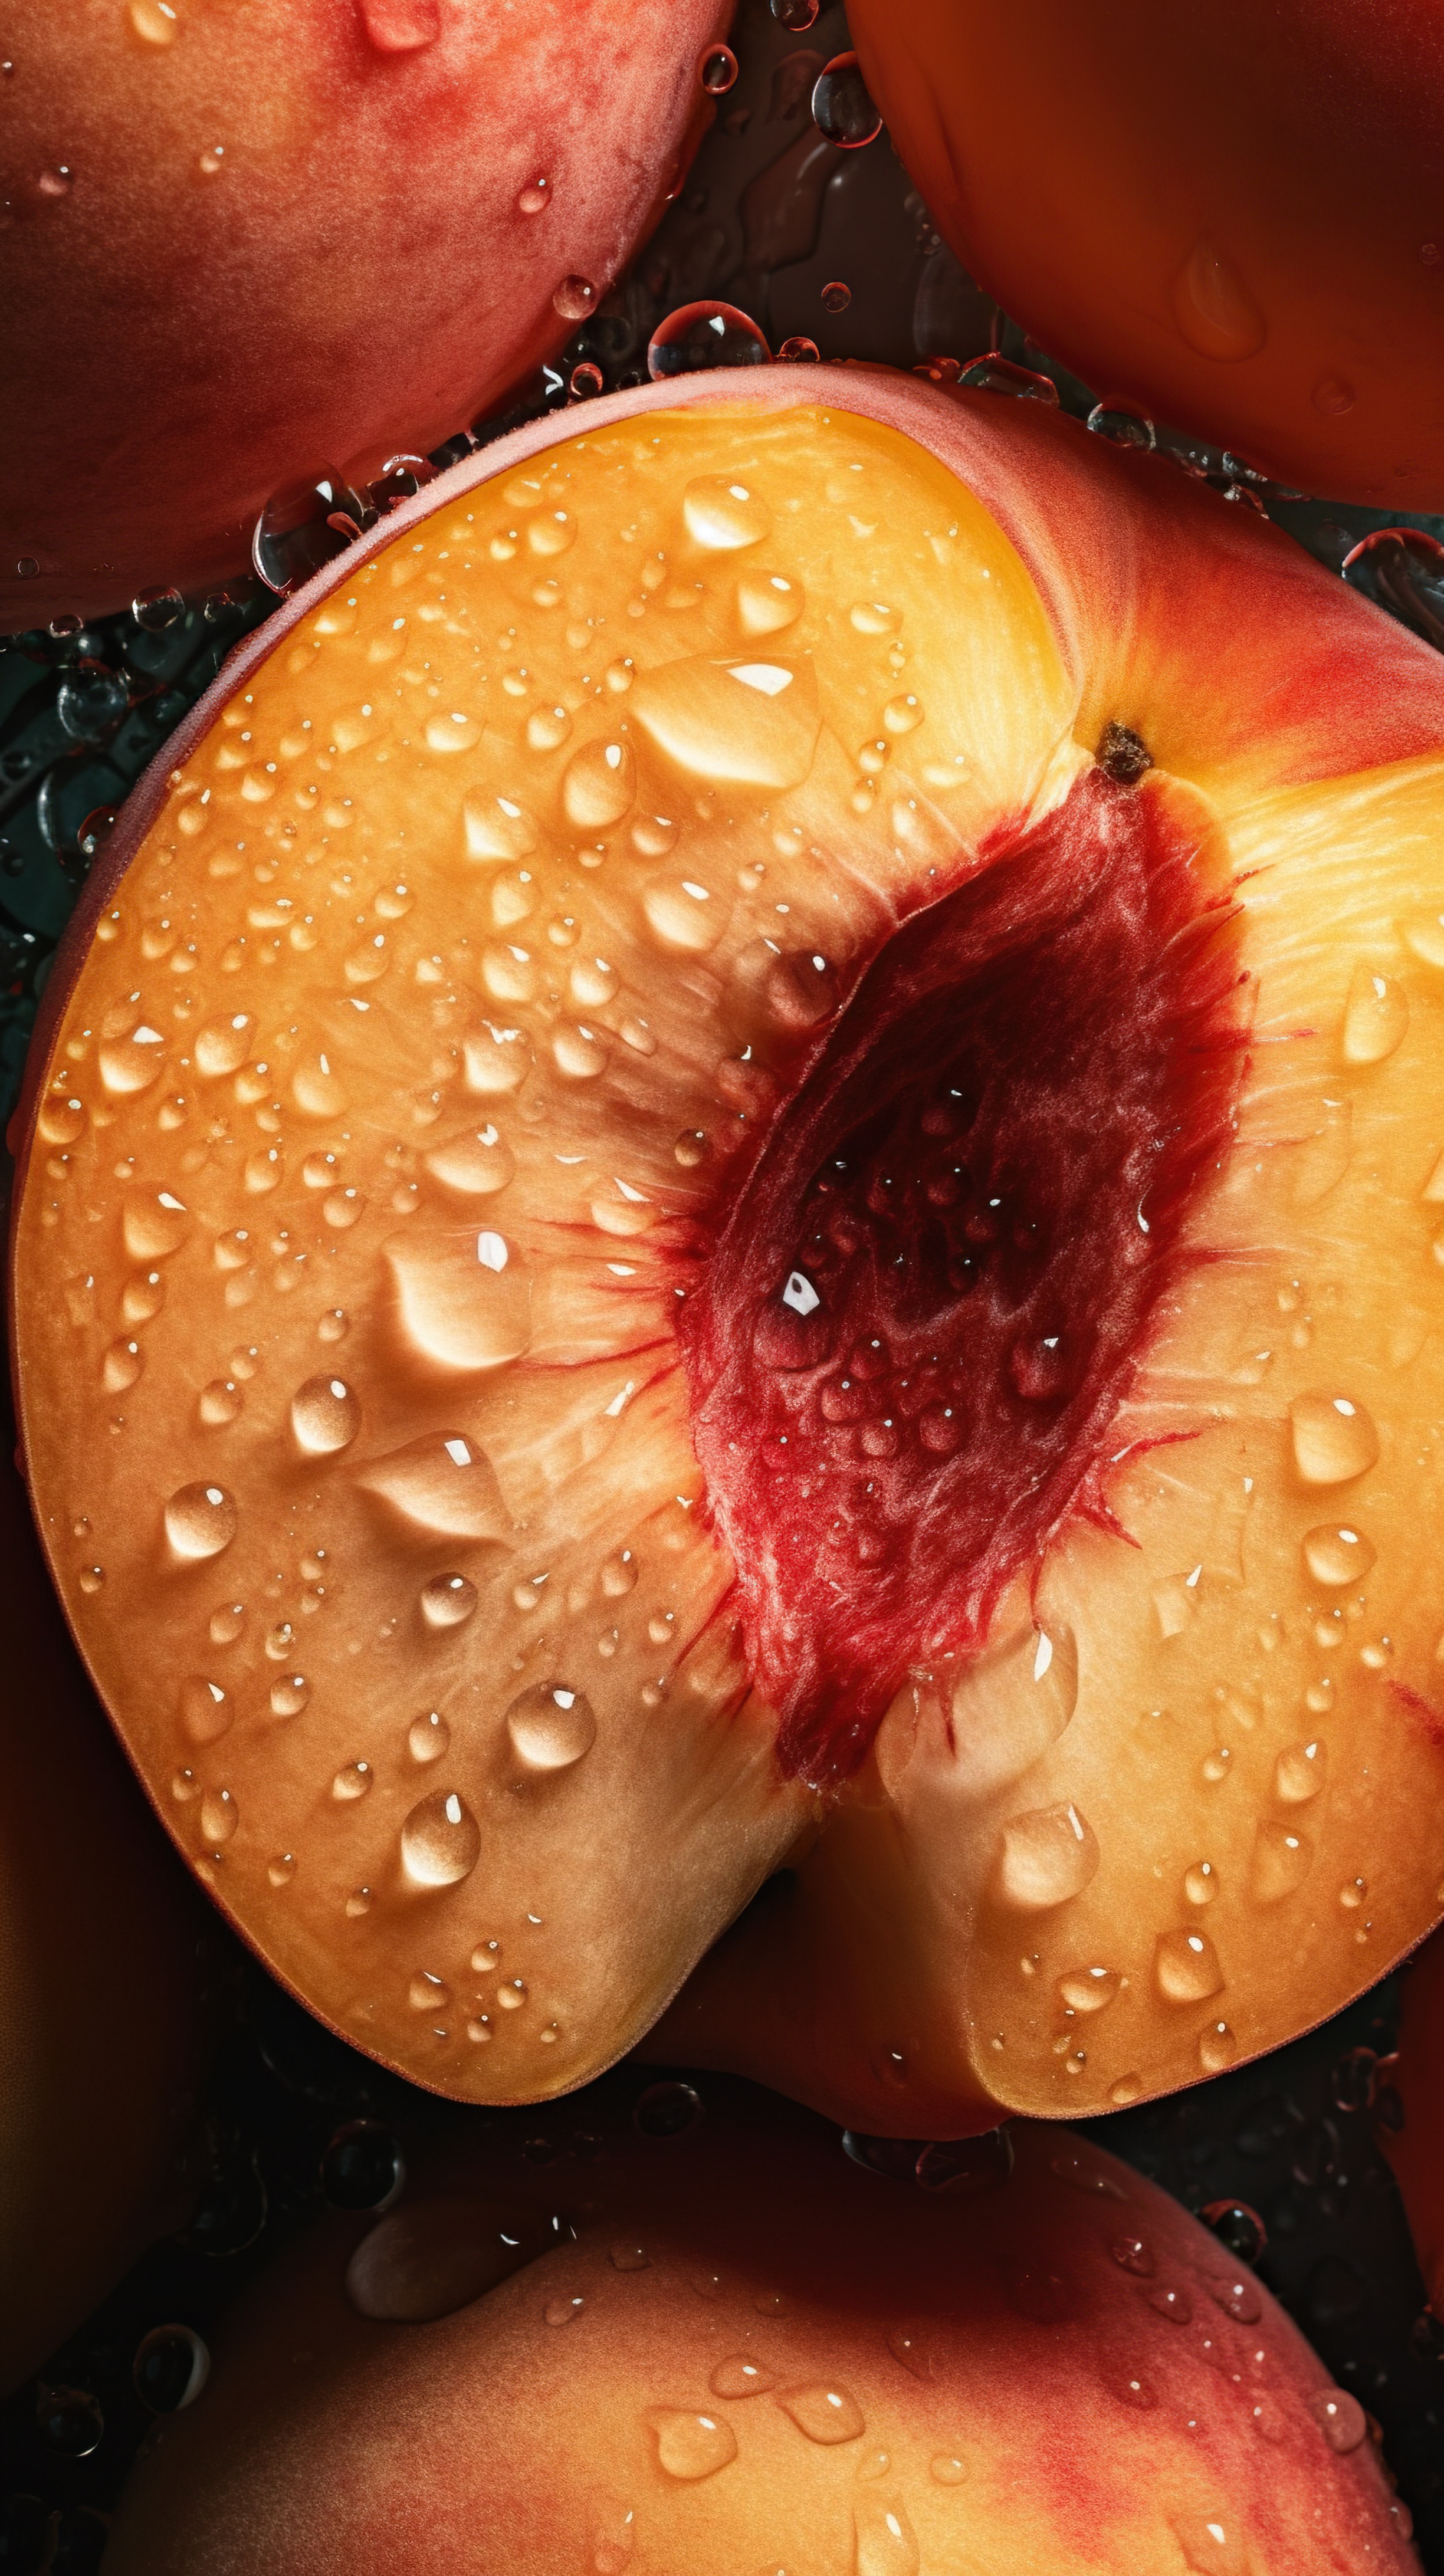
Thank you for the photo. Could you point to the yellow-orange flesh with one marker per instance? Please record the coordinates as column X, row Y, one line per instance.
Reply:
column 458, row 975
column 729, row 2350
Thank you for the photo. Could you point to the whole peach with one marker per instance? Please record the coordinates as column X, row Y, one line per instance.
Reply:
column 708, row 2341
column 100, row 2011
column 248, row 244
column 1230, row 215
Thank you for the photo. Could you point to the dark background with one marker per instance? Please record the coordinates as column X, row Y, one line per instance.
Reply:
column 769, row 216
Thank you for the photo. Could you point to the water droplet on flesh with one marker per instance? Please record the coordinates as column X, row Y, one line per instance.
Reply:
column 1213, row 308
column 575, row 298
column 1046, row 1858
column 704, row 334
column 842, row 110
column 1334, row 1439
column 440, row 1841
column 447, row 1600
column 325, row 1416
column 200, row 1520
column 884, row 2542
column 1340, row 2418
column 551, row 1726
column 1376, row 1017
column 824, row 2410
column 692, row 2446
column 738, row 2376
column 1185, row 1968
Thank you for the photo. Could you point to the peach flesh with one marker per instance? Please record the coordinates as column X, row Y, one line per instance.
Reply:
column 442, row 1693
column 250, row 244
column 945, row 1230
column 747, row 2352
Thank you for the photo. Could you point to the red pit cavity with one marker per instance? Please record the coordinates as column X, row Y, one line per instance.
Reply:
column 917, row 1321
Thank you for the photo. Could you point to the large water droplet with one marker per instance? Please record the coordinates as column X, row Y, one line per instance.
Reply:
column 1339, row 2417
column 884, row 2542
column 206, row 1710
column 170, row 2369
column 705, row 334
column 219, row 1816
column 599, row 784
column 551, row 1726
column 824, row 2410
column 1185, row 1968
column 1300, row 1773
column 1282, row 1860
column 751, row 724
column 1046, row 1857
column 842, row 109
column 1376, row 1017
column 1213, row 308
column 1335, row 1555
column 692, row 2446
column 460, row 1306
column 448, row 1600
column 428, row 1737
column 575, row 298
column 476, row 1163
column 440, row 1841
column 303, row 526
column 1009, row 1706
column 723, row 513
column 131, row 1060
column 442, row 1483
column 200, row 1520
column 325, row 1416
column 1334, row 1439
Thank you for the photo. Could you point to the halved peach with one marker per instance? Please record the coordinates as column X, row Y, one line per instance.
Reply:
column 739, row 1176
column 727, row 2347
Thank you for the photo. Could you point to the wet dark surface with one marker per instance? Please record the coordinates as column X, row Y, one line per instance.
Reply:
column 834, row 248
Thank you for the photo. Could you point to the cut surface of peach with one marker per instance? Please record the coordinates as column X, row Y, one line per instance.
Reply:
column 741, row 1179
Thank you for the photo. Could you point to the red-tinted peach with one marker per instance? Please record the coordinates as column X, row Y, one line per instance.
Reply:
column 742, row 2352
column 1411, row 2130
column 100, row 2019
column 1229, row 215
column 755, row 1117
column 248, row 244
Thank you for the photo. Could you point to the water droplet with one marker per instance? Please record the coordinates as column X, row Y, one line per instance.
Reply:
column 1046, row 1858
column 836, row 295
column 289, row 1695
column 535, row 197
column 157, row 610
column 994, row 375
column 745, row 723
column 842, row 110
column 131, row 1060
column 69, row 2421
column 440, row 1841
column 1338, row 1555
column 1122, row 423
column 1213, row 308
column 692, row 2446
column 947, row 2469
column 599, row 784
column 1132, row 2254
column 704, row 334
column 325, row 1416
column 122, row 1366
column 200, row 1520
column 797, row 15
column 575, row 298
column 170, row 2369
column 884, row 2542
column 724, row 514
column 1282, row 1860
column 427, row 1992
column 717, row 70
column 667, row 2110
column 551, row 1726
column 586, row 380
column 219, row 1815
column 498, row 829
column 1175, row 2304
column 1010, row 1705
column 352, row 1781
column 737, row 2376
column 1334, row 1439
column 460, row 1304
column 205, row 1709
column 1185, row 1968
column 1200, row 1883
column 562, row 2312
column 962, row 2167
column 630, row 2257
column 1300, row 1772
column 767, row 604
column 362, row 2167
column 428, row 1737
column 1211, row 2546
column 799, row 351
column 1339, row 2417
column 1333, row 395
column 824, row 2410
column 1087, row 1990
column 303, row 526
column 447, row 1600
column 1376, row 1017
column 476, row 1163
column 401, row 26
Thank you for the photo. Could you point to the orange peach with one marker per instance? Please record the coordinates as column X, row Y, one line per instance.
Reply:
column 736, row 1180
column 100, row 1984
column 247, row 245
column 1230, row 215
column 731, row 2349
